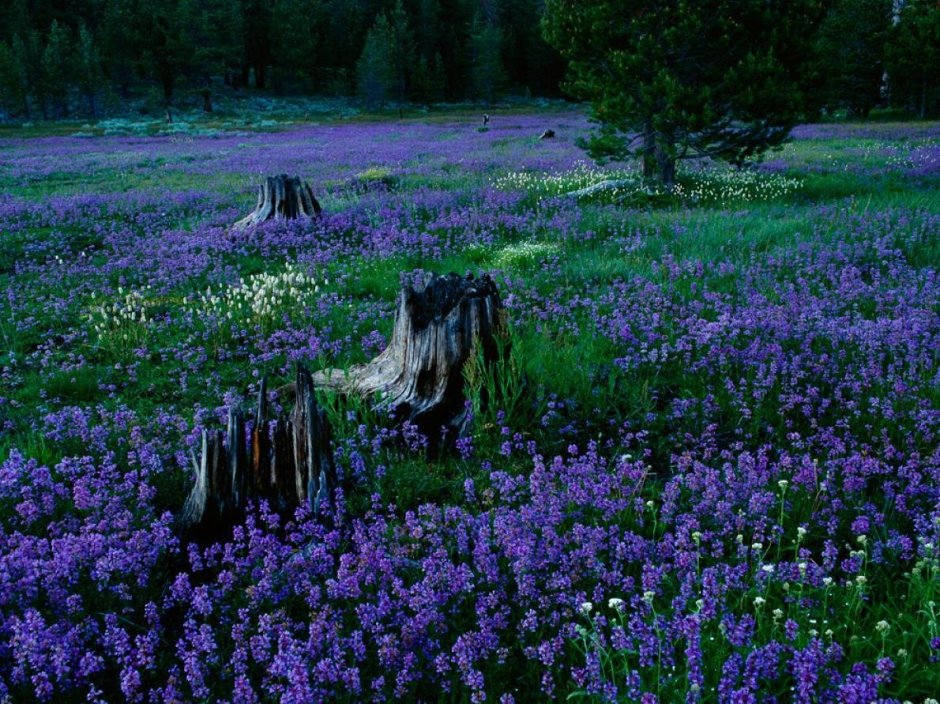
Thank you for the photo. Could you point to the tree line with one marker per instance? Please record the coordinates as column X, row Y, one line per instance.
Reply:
column 60, row 58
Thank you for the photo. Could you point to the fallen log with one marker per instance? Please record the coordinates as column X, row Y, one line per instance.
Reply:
column 281, row 197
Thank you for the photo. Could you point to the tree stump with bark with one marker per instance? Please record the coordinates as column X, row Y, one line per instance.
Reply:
column 419, row 376
column 281, row 197
column 288, row 462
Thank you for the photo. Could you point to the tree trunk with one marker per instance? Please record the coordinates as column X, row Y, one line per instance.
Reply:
column 649, row 152
column 289, row 463
column 666, row 166
column 168, row 82
column 419, row 376
column 923, row 94
column 207, row 97
column 281, row 198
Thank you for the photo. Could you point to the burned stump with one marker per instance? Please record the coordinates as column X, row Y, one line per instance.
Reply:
column 419, row 376
column 288, row 462
column 281, row 197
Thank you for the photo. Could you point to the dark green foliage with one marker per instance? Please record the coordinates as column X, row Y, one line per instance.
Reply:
column 374, row 71
column 296, row 55
column 57, row 67
column 12, row 93
column 210, row 38
column 487, row 76
column 429, row 81
column 913, row 58
column 401, row 51
column 672, row 80
column 717, row 77
column 256, row 39
column 88, row 67
column 181, row 50
column 850, row 52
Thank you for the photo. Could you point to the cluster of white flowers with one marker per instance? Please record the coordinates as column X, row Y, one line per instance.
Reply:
column 125, row 319
column 712, row 186
column 549, row 184
column 524, row 253
column 720, row 186
column 261, row 297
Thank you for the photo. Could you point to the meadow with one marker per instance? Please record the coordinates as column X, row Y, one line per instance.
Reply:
column 707, row 470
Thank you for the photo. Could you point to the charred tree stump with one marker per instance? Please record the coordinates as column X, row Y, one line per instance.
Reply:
column 281, row 197
column 419, row 376
column 289, row 464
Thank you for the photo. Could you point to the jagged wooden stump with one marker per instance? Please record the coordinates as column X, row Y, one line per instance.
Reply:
column 281, row 197
column 289, row 464
column 419, row 376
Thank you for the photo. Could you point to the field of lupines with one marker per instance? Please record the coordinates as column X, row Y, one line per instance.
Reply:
column 708, row 469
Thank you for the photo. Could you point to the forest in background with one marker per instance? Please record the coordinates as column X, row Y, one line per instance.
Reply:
column 85, row 58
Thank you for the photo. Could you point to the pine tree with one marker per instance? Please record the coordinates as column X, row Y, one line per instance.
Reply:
column 27, row 53
column 210, row 37
column 14, row 20
column 256, row 36
column 374, row 72
column 428, row 80
column 401, row 50
column 57, row 67
column 487, row 75
column 10, row 99
column 913, row 58
column 121, row 43
column 668, row 81
column 88, row 68
column 14, row 76
column 295, row 55
column 850, row 52
column 428, row 28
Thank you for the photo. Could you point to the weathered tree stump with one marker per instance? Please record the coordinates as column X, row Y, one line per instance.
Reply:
column 281, row 197
column 419, row 376
column 547, row 134
column 288, row 464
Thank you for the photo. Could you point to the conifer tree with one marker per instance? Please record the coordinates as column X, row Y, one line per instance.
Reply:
column 487, row 76
column 374, row 73
column 674, row 80
column 57, row 68
column 913, row 58
column 88, row 68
